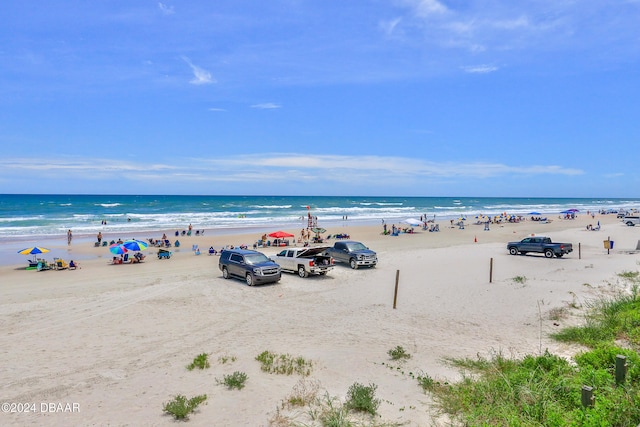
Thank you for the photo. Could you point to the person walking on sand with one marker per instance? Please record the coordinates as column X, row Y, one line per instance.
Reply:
column 99, row 237
column 69, row 237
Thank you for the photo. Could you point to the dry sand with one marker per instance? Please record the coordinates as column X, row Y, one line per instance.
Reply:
column 115, row 340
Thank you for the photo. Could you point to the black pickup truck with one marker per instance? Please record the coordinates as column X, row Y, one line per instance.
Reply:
column 539, row 244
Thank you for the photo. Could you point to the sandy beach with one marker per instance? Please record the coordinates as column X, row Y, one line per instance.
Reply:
column 110, row 343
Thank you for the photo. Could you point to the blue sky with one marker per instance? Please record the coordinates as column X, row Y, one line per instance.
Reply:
column 321, row 97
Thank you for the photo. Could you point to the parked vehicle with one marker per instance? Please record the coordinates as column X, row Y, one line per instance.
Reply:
column 539, row 244
column 631, row 220
column 304, row 261
column 354, row 253
column 252, row 266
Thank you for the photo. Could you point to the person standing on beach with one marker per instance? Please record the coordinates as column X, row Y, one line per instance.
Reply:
column 69, row 237
column 99, row 237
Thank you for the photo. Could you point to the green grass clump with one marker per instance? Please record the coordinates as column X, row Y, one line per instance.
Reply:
column 284, row 364
column 201, row 361
column 180, row 407
column 607, row 320
column 630, row 275
column 235, row 380
column 519, row 279
column 362, row 398
column 398, row 353
column 546, row 389
column 303, row 394
column 226, row 358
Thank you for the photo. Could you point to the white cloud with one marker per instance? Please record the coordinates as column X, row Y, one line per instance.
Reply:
column 480, row 69
column 266, row 106
column 389, row 27
column 166, row 10
column 272, row 167
column 200, row 75
column 216, row 109
column 424, row 8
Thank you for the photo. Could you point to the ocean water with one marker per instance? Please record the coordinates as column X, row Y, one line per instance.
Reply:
column 30, row 217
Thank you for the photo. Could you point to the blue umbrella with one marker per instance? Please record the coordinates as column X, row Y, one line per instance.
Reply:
column 135, row 245
column 534, row 213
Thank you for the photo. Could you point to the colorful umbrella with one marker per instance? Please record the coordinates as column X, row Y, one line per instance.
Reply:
column 280, row 234
column 33, row 251
column 135, row 245
column 117, row 249
column 318, row 230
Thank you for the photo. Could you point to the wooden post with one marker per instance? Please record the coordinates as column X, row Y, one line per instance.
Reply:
column 608, row 244
column 395, row 293
column 587, row 396
column 491, row 270
column 579, row 250
column 621, row 368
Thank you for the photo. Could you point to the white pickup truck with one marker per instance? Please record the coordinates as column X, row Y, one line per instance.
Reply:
column 304, row 261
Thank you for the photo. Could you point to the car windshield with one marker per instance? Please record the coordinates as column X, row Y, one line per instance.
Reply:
column 356, row 246
column 254, row 259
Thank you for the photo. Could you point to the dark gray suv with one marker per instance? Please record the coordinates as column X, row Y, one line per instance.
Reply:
column 254, row 267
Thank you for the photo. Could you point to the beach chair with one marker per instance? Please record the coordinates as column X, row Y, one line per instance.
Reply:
column 61, row 264
column 43, row 265
column 104, row 243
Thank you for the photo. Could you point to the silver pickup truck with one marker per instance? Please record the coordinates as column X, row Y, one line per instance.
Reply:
column 304, row 261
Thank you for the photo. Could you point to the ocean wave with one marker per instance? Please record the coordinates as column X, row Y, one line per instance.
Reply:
column 108, row 205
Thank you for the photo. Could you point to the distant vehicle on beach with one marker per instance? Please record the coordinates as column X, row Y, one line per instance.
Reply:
column 354, row 253
column 252, row 266
column 539, row 244
column 304, row 261
column 631, row 220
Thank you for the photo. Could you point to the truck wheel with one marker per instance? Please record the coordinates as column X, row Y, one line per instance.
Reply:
column 302, row 272
column 249, row 279
column 352, row 263
column 548, row 253
column 513, row 251
column 225, row 272
column 559, row 255
column 630, row 224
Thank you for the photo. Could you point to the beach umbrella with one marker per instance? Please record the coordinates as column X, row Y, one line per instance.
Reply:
column 318, row 230
column 117, row 249
column 413, row 222
column 534, row 213
column 135, row 245
column 566, row 212
column 280, row 234
column 573, row 210
column 33, row 251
